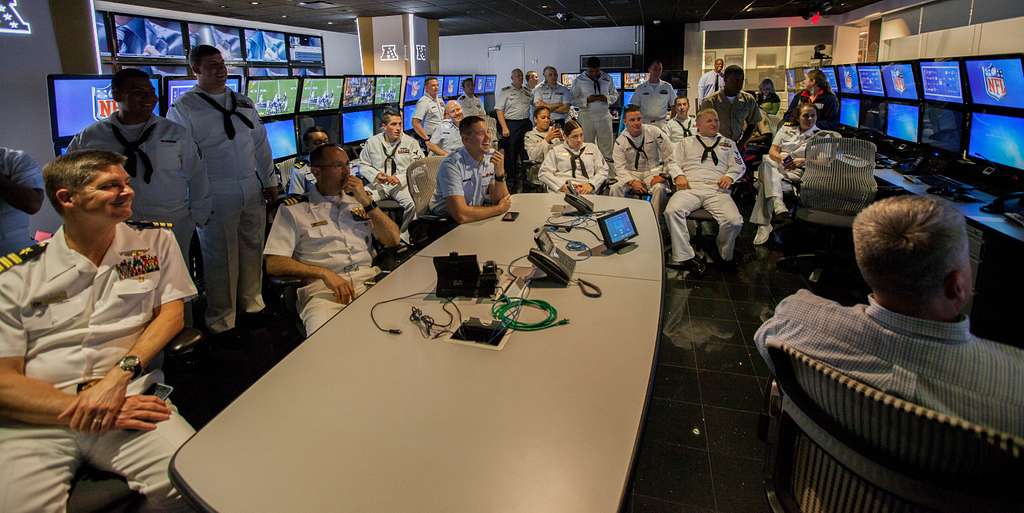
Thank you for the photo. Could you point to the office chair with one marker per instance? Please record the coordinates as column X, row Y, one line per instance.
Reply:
column 837, row 445
column 422, row 180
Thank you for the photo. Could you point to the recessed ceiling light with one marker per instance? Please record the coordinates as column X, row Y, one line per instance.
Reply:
column 330, row 23
column 254, row 3
column 223, row 7
column 284, row 15
column 656, row 22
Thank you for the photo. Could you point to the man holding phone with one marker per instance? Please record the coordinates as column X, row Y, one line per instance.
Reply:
column 471, row 180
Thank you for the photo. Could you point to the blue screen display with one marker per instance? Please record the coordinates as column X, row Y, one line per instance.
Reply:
column 357, row 126
column 902, row 122
column 997, row 82
column 849, row 84
column 306, row 48
column 413, row 88
column 450, row 86
column 226, row 39
column 830, row 76
column 616, row 77
column 619, row 227
column 147, row 37
column 791, row 79
column 407, row 113
column 265, row 46
column 179, row 86
column 281, row 136
column 627, row 96
column 80, row 102
column 899, row 81
column 489, row 84
column 849, row 112
column 940, row 81
column 996, row 138
column 479, row 84
column 268, row 72
column 101, row 34
column 870, row 80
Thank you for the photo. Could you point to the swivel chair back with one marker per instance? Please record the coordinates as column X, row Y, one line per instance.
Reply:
column 838, row 175
column 422, row 179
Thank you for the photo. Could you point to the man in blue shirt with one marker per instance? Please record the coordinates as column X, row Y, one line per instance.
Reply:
column 471, row 181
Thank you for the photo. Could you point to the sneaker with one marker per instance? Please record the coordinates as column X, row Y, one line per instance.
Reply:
column 764, row 231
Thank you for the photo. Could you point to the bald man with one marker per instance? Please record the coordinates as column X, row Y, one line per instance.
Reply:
column 446, row 138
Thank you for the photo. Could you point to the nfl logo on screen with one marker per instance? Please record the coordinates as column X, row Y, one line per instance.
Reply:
column 995, row 86
column 103, row 104
column 898, row 82
column 848, row 80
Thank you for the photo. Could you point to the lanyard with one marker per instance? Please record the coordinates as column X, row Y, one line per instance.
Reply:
column 134, row 153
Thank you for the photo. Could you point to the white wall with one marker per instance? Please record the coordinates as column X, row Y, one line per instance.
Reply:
column 1004, row 36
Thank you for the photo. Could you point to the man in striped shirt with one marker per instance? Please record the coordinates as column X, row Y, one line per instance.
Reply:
column 911, row 340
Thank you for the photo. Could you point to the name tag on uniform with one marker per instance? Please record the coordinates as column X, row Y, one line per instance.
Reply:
column 319, row 223
column 663, row 92
column 726, row 145
column 172, row 141
column 403, row 150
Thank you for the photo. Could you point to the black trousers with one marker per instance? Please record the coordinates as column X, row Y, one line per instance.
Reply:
column 513, row 146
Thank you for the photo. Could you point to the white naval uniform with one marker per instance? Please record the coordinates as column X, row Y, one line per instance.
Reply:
column 238, row 169
column 178, row 191
column 551, row 95
column 447, row 136
column 791, row 142
column 557, row 168
column 331, row 232
column 460, row 175
column 655, row 101
column 643, row 158
column 596, row 118
column 300, row 178
column 430, row 112
column 471, row 106
column 678, row 129
column 73, row 321
column 18, row 167
column 381, row 158
column 536, row 149
column 704, row 193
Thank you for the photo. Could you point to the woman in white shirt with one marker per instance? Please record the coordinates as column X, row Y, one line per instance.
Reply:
column 574, row 163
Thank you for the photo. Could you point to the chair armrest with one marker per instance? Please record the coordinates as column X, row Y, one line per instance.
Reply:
column 286, row 281
column 184, row 341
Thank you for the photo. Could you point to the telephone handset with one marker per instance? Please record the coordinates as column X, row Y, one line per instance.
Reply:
column 557, row 265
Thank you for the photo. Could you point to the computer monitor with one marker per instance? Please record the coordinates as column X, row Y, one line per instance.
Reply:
column 267, row 72
column 407, row 113
column 631, row 81
column 387, row 89
column 77, row 101
column 996, row 82
column 942, row 128
column 177, row 86
column 567, row 79
column 102, row 43
column 791, row 80
column 273, row 96
column 872, row 114
column 320, row 94
column 356, row 126
column 450, row 86
column 414, row 88
column 627, row 96
column 358, row 91
column 830, row 76
column 870, row 80
column 306, row 49
column 281, row 136
column 996, row 138
column 849, row 112
column 899, row 81
column 849, row 83
column 490, row 83
column 940, row 81
column 307, row 72
column 616, row 77
column 902, row 122
column 617, row 228
column 264, row 46
column 226, row 39
column 143, row 38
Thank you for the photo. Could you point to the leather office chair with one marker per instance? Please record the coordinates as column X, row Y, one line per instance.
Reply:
column 422, row 180
column 837, row 445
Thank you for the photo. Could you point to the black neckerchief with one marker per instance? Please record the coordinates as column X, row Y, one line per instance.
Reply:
column 637, row 150
column 573, row 157
column 709, row 150
column 597, row 84
column 134, row 153
column 686, row 131
column 229, row 127
column 390, row 157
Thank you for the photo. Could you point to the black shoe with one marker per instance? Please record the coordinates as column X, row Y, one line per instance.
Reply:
column 694, row 267
column 782, row 218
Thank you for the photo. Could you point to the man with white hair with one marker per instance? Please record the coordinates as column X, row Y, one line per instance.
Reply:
column 911, row 340
column 446, row 138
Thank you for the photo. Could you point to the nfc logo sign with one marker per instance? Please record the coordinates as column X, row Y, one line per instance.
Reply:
column 421, row 52
column 388, row 52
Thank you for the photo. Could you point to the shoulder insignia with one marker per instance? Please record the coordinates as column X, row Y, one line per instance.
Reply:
column 292, row 199
column 21, row 256
column 144, row 225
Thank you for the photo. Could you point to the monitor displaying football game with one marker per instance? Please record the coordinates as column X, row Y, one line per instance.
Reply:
column 899, row 81
column 226, row 39
column 616, row 77
column 902, row 122
column 178, row 86
column 631, row 81
column 567, row 79
column 414, row 88
column 407, row 113
column 387, row 90
column 942, row 128
column 320, row 94
column 450, row 86
column 940, row 81
column 139, row 36
column 358, row 92
column 306, row 48
column 79, row 101
column 849, row 112
column 281, row 136
column 264, row 46
column 274, row 97
column 870, row 80
column 996, row 82
column 996, row 138
column 356, row 126
column 848, row 81
column 102, row 43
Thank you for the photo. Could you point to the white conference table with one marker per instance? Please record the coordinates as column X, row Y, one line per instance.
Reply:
column 357, row 420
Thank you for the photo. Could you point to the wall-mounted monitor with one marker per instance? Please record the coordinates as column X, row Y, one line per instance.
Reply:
column 77, row 101
column 485, row 84
column 407, row 113
column 142, row 37
column 942, row 128
column 940, row 81
column 356, row 126
column 830, row 76
column 616, row 77
column 872, row 114
column 791, row 80
column 567, row 79
column 414, row 88
column 462, row 79
column 307, row 72
column 306, row 48
column 160, row 71
column 996, row 82
column 358, row 91
column 450, row 86
column 226, row 39
column 388, row 89
column 320, row 94
column 996, row 138
column 274, row 96
column 281, row 136
column 267, row 72
column 264, row 46
column 630, row 81
column 902, row 122
column 849, row 112
column 102, row 43
column 177, row 86
column 849, row 83
column 870, row 76
column 900, row 83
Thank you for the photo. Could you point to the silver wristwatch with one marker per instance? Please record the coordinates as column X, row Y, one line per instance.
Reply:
column 131, row 363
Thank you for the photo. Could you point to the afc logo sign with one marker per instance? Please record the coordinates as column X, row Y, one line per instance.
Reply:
column 388, row 53
column 421, row 52
column 11, row 21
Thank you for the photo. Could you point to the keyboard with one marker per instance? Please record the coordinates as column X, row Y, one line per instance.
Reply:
column 942, row 181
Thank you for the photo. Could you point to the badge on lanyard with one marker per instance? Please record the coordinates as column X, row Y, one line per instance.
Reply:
column 137, row 263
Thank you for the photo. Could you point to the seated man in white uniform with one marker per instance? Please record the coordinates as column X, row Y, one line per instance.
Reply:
column 471, row 180
column 574, row 163
column 326, row 237
column 81, row 318
column 384, row 160
column 446, row 138
column 710, row 164
column 642, row 159
column 680, row 126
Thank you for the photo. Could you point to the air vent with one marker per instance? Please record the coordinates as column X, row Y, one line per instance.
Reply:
column 317, row 4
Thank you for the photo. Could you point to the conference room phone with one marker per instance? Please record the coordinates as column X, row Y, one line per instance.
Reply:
column 582, row 205
column 556, row 264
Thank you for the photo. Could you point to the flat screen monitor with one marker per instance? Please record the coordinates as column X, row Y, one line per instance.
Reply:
column 627, row 96
column 357, row 126
column 413, row 88
column 567, row 79
column 387, row 90
column 462, row 79
column 489, row 83
column 226, row 39
column 940, row 81
column 160, row 71
column 268, row 72
column 899, row 81
column 996, row 139
column 358, row 92
column 848, row 81
column 407, row 113
column 307, row 72
column 306, row 48
column 830, row 76
column 617, row 228
column 902, row 122
column 320, row 94
column 264, row 46
column 275, row 96
column 630, row 81
column 77, row 101
column 479, row 84
column 139, row 36
column 450, row 86
column 281, row 136
column 996, row 82
column 791, row 80
column 849, row 112
column 102, row 43
column 177, row 86
column 872, row 114
column 870, row 79
column 942, row 128
column 616, row 77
